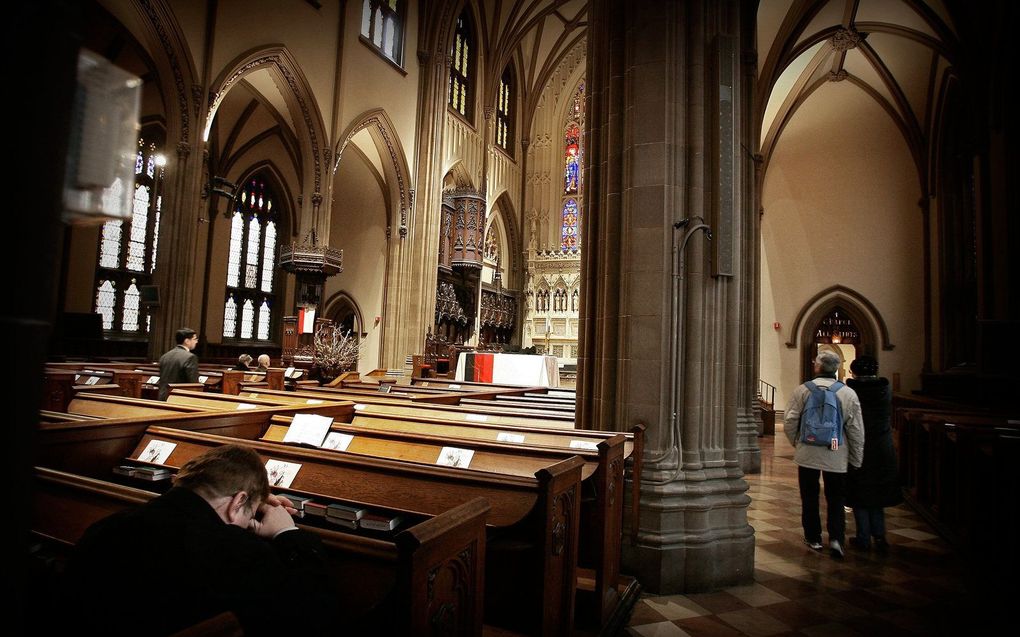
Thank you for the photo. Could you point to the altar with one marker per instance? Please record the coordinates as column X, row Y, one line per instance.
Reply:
column 508, row 369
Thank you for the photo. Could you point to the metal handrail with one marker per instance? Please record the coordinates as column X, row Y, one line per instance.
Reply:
column 766, row 393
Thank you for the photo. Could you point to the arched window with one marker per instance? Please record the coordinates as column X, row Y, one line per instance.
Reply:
column 505, row 112
column 573, row 165
column 251, row 263
column 461, row 70
column 127, row 249
column 382, row 26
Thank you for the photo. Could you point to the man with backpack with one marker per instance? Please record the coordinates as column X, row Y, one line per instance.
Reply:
column 823, row 422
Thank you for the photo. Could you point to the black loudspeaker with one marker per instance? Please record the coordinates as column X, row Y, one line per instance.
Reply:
column 148, row 295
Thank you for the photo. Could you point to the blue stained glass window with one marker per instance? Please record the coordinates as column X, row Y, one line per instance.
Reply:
column 570, row 217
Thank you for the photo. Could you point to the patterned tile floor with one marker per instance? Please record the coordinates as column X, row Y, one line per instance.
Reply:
column 920, row 587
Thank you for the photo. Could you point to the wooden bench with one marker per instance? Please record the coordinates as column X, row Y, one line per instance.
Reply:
column 104, row 406
column 420, row 439
column 535, row 519
column 426, row 577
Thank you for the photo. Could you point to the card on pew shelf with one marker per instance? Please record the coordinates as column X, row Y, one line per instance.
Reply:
column 584, row 444
column 289, row 373
column 344, row 512
column 380, row 521
column 281, row 474
column 504, row 436
column 308, row 429
column 314, row 401
column 241, row 406
column 91, row 380
column 385, row 388
column 359, row 406
column 76, row 377
column 454, row 457
column 157, row 451
column 477, row 417
column 252, row 394
column 153, row 380
column 452, row 386
column 337, row 441
column 315, row 509
column 202, row 379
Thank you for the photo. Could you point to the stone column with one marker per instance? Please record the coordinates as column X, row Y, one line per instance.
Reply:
column 661, row 313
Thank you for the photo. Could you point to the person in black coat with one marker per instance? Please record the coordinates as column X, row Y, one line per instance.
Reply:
column 217, row 542
column 876, row 484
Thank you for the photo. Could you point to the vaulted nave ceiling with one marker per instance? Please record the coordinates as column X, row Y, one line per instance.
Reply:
column 898, row 52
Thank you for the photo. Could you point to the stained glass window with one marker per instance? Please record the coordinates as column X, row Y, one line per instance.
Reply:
column 127, row 248
column 251, row 263
column 505, row 112
column 461, row 97
column 382, row 25
column 569, row 238
column 573, row 172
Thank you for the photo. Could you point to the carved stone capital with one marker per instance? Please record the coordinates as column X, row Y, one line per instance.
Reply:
column 183, row 149
column 316, row 199
column 838, row 76
column 423, row 57
column 488, row 112
column 196, row 97
column 845, row 39
column 403, row 232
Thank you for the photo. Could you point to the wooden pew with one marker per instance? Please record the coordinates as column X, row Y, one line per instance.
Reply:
column 104, row 406
column 601, row 533
column 224, row 402
column 427, row 576
column 535, row 519
column 56, row 416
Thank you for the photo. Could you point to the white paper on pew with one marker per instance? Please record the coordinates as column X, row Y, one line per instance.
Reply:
column 359, row 406
column 153, row 380
column 280, row 473
column 509, row 437
column 477, row 417
column 241, row 406
column 452, row 386
column 584, row 444
column 157, row 451
column 76, row 377
column 454, row 457
column 289, row 372
column 92, row 380
column 202, row 379
column 338, row 441
column 253, row 395
column 308, row 429
column 313, row 401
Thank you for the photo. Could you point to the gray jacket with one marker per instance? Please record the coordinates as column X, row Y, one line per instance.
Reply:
column 824, row 458
column 178, row 365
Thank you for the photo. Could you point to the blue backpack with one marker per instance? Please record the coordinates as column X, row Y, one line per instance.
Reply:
column 821, row 422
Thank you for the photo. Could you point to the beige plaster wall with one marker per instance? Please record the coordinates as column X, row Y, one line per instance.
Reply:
column 359, row 228
column 840, row 200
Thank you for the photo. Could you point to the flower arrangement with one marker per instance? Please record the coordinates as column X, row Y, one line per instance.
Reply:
column 336, row 350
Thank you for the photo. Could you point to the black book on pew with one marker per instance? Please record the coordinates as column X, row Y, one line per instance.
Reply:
column 299, row 502
column 344, row 512
column 150, row 473
column 315, row 509
column 347, row 524
column 380, row 521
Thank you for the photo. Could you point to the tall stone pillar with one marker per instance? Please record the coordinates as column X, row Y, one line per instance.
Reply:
column 661, row 316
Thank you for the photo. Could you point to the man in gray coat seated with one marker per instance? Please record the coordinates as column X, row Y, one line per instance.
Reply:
column 830, row 458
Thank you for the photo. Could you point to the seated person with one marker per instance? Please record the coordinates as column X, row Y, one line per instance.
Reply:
column 218, row 541
column 243, row 362
column 263, row 362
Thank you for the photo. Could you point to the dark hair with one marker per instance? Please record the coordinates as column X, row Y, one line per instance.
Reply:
column 184, row 334
column 224, row 471
column 864, row 366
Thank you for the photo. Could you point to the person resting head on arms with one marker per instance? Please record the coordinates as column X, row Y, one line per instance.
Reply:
column 218, row 541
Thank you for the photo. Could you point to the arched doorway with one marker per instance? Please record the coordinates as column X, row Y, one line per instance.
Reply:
column 842, row 321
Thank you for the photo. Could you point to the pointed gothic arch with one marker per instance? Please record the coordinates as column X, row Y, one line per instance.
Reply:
column 343, row 309
column 873, row 332
column 286, row 72
column 388, row 145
